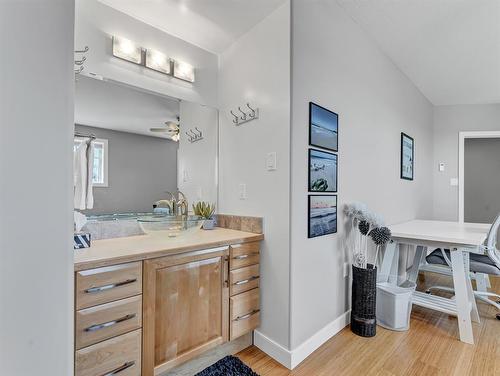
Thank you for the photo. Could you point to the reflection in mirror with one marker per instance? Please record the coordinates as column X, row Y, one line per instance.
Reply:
column 138, row 149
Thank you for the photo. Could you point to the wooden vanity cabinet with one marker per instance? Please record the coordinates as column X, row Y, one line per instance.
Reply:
column 185, row 307
column 147, row 317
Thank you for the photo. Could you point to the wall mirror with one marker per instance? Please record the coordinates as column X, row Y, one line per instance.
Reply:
column 145, row 148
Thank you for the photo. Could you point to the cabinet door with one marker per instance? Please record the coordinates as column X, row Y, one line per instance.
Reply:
column 185, row 307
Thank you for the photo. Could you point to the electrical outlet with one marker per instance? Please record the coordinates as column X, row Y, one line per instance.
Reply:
column 346, row 269
column 243, row 191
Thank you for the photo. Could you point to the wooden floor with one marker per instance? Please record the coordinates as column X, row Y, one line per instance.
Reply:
column 430, row 347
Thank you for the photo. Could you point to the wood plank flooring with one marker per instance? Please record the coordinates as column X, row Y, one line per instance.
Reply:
column 430, row 347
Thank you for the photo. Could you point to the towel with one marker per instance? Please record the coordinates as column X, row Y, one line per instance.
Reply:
column 83, row 158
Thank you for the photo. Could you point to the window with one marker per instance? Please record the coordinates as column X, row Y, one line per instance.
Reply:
column 100, row 170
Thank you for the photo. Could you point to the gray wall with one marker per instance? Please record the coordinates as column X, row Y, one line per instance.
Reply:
column 481, row 180
column 264, row 83
column 36, row 132
column 448, row 122
column 337, row 65
column 140, row 170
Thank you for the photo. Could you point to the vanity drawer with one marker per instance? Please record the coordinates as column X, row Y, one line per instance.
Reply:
column 243, row 279
column 103, row 285
column 116, row 356
column 243, row 255
column 108, row 320
column 244, row 313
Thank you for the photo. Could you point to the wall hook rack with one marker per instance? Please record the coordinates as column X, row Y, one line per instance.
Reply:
column 246, row 115
column 195, row 135
column 79, row 67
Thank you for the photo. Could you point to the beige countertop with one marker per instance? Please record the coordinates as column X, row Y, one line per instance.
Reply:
column 156, row 244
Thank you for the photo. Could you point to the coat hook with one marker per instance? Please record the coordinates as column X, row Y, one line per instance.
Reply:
column 81, row 61
column 79, row 70
column 236, row 118
column 86, row 49
column 252, row 115
column 244, row 117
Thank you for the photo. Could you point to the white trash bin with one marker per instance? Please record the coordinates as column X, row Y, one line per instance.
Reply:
column 394, row 305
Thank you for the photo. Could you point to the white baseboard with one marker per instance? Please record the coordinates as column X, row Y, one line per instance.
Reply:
column 273, row 349
column 291, row 359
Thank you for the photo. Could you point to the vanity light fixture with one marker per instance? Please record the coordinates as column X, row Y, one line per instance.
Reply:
column 183, row 71
column 127, row 50
column 158, row 61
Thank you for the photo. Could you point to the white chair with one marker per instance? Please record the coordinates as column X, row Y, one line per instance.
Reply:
column 480, row 265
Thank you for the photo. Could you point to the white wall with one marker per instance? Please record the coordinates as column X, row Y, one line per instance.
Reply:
column 197, row 161
column 36, row 132
column 448, row 122
column 95, row 24
column 256, row 69
column 338, row 66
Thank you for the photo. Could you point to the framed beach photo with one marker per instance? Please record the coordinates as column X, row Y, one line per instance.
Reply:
column 322, row 171
column 407, row 156
column 322, row 215
column 323, row 127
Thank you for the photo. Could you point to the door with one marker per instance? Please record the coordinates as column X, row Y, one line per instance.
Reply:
column 185, row 307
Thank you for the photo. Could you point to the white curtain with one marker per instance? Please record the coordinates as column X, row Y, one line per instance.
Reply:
column 83, row 160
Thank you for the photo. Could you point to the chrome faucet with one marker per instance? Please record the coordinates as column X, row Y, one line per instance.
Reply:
column 182, row 204
column 178, row 204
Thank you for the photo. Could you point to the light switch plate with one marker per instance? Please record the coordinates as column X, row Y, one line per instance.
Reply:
column 271, row 161
column 441, row 167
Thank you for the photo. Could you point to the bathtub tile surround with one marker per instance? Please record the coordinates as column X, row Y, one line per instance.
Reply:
column 241, row 223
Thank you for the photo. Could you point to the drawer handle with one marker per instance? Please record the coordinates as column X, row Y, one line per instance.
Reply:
column 248, row 315
column 245, row 281
column 241, row 257
column 93, row 328
column 108, row 287
column 120, row 369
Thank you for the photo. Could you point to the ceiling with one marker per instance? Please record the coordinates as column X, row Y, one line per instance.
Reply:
column 104, row 104
column 450, row 49
column 210, row 24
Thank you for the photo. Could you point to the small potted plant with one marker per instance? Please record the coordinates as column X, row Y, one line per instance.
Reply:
column 205, row 210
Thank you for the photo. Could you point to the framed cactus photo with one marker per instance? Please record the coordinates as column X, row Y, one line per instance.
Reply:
column 322, row 171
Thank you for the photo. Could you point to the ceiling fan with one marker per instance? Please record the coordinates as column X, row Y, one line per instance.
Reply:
column 171, row 129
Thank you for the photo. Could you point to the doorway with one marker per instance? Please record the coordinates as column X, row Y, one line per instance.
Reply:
column 479, row 176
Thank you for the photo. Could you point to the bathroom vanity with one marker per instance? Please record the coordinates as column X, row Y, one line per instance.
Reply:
column 145, row 304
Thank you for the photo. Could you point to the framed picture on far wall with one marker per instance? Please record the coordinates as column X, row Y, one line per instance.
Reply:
column 322, row 171
column 407, row 157
column 322, row 215
column 323, row 127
